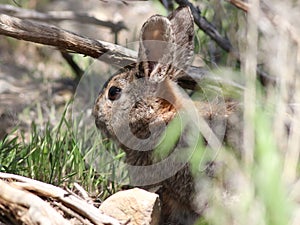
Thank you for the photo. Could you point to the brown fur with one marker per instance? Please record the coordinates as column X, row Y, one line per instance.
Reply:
column 154, row 101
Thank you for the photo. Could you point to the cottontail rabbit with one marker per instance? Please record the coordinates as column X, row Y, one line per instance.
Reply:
column 138, row 102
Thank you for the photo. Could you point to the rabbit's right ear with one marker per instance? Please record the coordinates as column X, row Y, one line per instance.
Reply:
column 156, row 39
column 183, row 27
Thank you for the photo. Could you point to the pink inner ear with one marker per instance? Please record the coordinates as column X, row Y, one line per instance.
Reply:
column 157, row 34
column 154, row 34
column 155, row 38
column 156, row 30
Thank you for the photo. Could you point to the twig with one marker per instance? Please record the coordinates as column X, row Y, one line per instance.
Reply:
column 240, row 4
column 71, row 213
column 76, row 69
column 83, row 193
column 168, row 4
column 59, row 16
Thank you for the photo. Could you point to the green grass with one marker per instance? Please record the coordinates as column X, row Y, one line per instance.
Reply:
column 56, row 155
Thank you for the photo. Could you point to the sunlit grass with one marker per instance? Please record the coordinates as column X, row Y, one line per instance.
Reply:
column 57, row 155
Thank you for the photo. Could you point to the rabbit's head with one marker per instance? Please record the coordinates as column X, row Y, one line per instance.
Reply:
column 136, row 104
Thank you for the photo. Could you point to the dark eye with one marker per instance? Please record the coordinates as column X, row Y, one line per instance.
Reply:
column 114, row 93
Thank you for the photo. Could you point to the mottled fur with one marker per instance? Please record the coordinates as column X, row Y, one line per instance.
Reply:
column 138, row 110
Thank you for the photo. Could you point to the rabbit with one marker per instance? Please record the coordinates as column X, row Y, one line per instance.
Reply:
column 137, row 104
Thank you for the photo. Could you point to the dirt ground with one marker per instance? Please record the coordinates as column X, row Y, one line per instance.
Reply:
column 35, row 80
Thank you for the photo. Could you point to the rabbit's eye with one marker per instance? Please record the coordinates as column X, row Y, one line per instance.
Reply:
column 114, row 93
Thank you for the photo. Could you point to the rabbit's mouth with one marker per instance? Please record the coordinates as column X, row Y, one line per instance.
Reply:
column 102, row 127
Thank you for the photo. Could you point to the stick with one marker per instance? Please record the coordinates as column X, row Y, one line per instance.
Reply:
column 240, row 4
column 59, row 16
column 62, row 39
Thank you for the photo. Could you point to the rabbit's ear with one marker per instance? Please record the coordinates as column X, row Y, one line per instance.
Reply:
column 183, row 28
column 166, row 45
column 156, row 37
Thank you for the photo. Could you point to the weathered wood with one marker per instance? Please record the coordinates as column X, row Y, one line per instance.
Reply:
column 28, row 208
column 27, row 186
column 240, row 4
column 65, row 40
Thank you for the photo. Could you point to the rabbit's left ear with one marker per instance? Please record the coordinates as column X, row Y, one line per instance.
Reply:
column 156, row 39
column 166, row 45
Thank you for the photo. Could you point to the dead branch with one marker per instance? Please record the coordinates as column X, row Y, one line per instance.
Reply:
column 65, row 40
column 57, row 16
column 168, row 4
column 19, row 193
